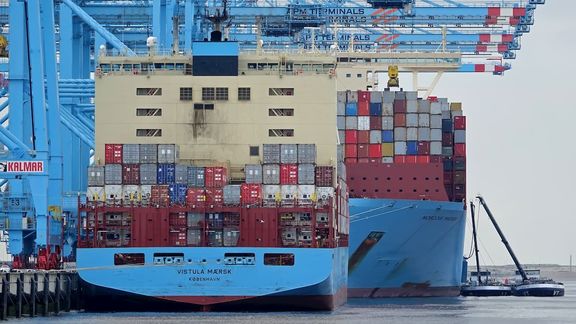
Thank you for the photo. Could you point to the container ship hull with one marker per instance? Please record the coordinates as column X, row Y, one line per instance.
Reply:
column 405, row 248
column 213, row 284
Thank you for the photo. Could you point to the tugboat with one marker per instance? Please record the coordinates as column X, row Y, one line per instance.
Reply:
column 526, row 286
column 482, row 287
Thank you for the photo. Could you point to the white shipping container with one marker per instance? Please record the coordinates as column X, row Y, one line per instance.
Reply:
column 351, row 122
column 289, row 192
column 444, row 105
column 341, row 108
column 306, row 191
column 113, row 192
column 436, row 108
column 424, row 106
column 324, row 193
column 446, row 114
column 146, row 191
column 454, row 113
column 423, row 120
column 95, row 194
column 363, row 122
column 387, row 109
column 270, row 192
column 387, row 159
column 441, row 107
column 436, row 121
column 411, row 134
column 130, row 192
column 411, row 120
column 375, row 97
column 400, row 133
column 435, row 148
column 459, row 136
column 400, row 148
column 388, row 97
column 435, row 134
column 423, row 134
column 411, row 95
column 387, row 123
column 412, row 106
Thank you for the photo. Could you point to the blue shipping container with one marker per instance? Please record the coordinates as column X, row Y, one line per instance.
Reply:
column 447, row 165
column 387, row 136
column 166, row 173
column 178, row 193
column 447, row 125
column 375, row 109
column 412, row 147
column 351, row 109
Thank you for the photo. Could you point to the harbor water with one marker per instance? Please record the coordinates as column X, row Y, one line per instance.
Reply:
column 415, row 310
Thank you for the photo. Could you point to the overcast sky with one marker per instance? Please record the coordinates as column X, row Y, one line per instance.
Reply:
column 521, row 151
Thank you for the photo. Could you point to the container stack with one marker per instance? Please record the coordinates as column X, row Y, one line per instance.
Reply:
column 400, row 128
column 289, row 173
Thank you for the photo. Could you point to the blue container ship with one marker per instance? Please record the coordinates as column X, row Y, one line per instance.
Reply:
column 406, row 171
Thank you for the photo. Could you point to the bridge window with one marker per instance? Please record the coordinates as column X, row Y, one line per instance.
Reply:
column 279, row 259
column 281, row 91
column 185, row 94
column 199, row 106
column 208, row 94
column 149, row 132
column 243, row 94
column 148, row 91
column 281, row 112
column 221, row 93
column 129, row 259
column 148, row 112
column 281, row 133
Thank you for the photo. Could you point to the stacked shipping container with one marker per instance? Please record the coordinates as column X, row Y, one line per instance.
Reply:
column 400, row 128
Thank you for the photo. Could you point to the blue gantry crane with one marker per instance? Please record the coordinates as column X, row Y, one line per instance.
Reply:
column 47, row 105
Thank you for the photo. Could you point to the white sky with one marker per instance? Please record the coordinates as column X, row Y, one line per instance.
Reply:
column 521, row 154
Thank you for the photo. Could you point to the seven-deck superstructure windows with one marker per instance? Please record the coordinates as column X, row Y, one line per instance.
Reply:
column 148, row 91
column 281, row 112
column 208, row 94
column 185, row 94
column 243, row 94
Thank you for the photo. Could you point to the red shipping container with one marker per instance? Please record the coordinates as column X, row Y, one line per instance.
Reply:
column 216, row 177
column 113, row 153
column 177, row 219
column 424, row 148
column 399, row 106
column 448, row 178
column 379, row 160
column 363, row 151
column 435, row 158
column 288, row 174
column 351, row 151
column 459, row 149
column 423, row 159
column 433, row 99
column 324, row 176
column 351, row 137
column 375, row 122
column 160, row 195
column 375, row 151
column 447, row 139
column 177, row 237
column 401, row 159
column 214, row 196
column 363, row 96
column 411, row 159
column 131, row 174
column 351, row 160
column 399, row 120
column 364, row 108
column 460, row 122
column 363, row 160
column 196, row 197
column 250, row 193
column 363, row 137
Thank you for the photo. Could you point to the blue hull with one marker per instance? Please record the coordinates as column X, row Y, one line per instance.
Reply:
column 205, row 280
column 405, row 248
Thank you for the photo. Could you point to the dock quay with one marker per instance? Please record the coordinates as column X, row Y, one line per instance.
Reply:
column 32, row 293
